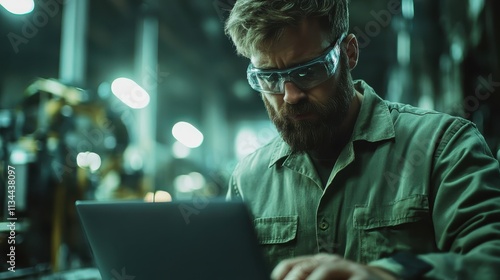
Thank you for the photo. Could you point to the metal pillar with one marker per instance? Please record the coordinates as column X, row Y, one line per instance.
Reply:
column 72, row 68
column 147, row 73
column 72, row 64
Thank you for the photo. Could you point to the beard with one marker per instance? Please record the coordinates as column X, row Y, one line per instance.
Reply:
column 323, row 133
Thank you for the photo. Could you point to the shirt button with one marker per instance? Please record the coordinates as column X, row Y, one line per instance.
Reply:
column 323, row 225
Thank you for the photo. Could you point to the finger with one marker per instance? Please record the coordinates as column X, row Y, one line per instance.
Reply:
column 340, row 270
column 282, row 269
column 302, row 270
column 322, row 257
column 326, row 271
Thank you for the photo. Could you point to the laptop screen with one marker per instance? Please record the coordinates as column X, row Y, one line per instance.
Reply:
column 173, row 240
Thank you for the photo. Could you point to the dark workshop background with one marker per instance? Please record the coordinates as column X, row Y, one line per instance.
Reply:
column 72, row 136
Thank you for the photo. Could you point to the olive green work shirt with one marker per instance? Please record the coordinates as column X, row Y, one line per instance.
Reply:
column 408, row 180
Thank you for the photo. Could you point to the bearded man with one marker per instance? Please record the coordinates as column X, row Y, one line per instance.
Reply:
column 356, row 187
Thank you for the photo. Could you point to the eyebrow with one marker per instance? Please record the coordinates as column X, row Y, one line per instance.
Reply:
column 324, row 53
column 296, row 64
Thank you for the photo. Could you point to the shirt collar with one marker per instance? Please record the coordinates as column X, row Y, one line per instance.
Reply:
column 373, row 124
column 374, row 121
column 281, row 150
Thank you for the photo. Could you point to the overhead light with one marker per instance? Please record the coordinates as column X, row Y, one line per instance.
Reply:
column 404, row 48
column 18, row 7
column 198, row 180
column 246, row 142
column 475, row 8
column 158, row 196
column 251, row 136
column 408, row 9
column 130, row 93
column 133, row 159
column 18, row 156
column 179, row 150
column 88, row 160
column 187, row 134
column 190, row 182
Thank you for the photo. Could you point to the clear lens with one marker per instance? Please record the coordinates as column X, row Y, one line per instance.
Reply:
column 269, row 81
column 264, row 82
column 310, row 76
column 305, row 77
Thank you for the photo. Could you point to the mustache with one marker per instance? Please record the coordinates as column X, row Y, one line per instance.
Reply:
column 300, row 108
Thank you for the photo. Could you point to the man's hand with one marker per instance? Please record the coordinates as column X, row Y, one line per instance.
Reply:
column 324, row 267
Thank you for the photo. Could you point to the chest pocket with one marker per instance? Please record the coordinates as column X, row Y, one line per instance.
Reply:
column 277, row 237
column 403, row 225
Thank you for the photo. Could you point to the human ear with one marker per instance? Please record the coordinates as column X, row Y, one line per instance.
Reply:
column 352, row 49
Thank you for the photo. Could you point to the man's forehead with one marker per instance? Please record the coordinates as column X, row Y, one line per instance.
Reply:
column 274, row 59
column 297, row 44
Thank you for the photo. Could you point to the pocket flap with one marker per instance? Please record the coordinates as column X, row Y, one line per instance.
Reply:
column 406, row 210
column 275, row 230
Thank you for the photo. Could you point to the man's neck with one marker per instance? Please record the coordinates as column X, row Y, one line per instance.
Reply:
column 327, row 156
column 324, row 159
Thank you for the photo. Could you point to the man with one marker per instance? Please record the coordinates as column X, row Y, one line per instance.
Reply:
column 356, row 187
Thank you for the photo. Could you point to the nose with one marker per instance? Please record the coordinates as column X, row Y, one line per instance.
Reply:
column 293, row 94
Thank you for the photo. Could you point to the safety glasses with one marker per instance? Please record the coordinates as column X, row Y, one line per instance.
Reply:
column 304, row 76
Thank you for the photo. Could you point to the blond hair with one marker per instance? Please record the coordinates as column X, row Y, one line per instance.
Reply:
column 256, row 24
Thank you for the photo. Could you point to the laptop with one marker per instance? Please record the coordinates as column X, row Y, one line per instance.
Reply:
column 172, row 240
